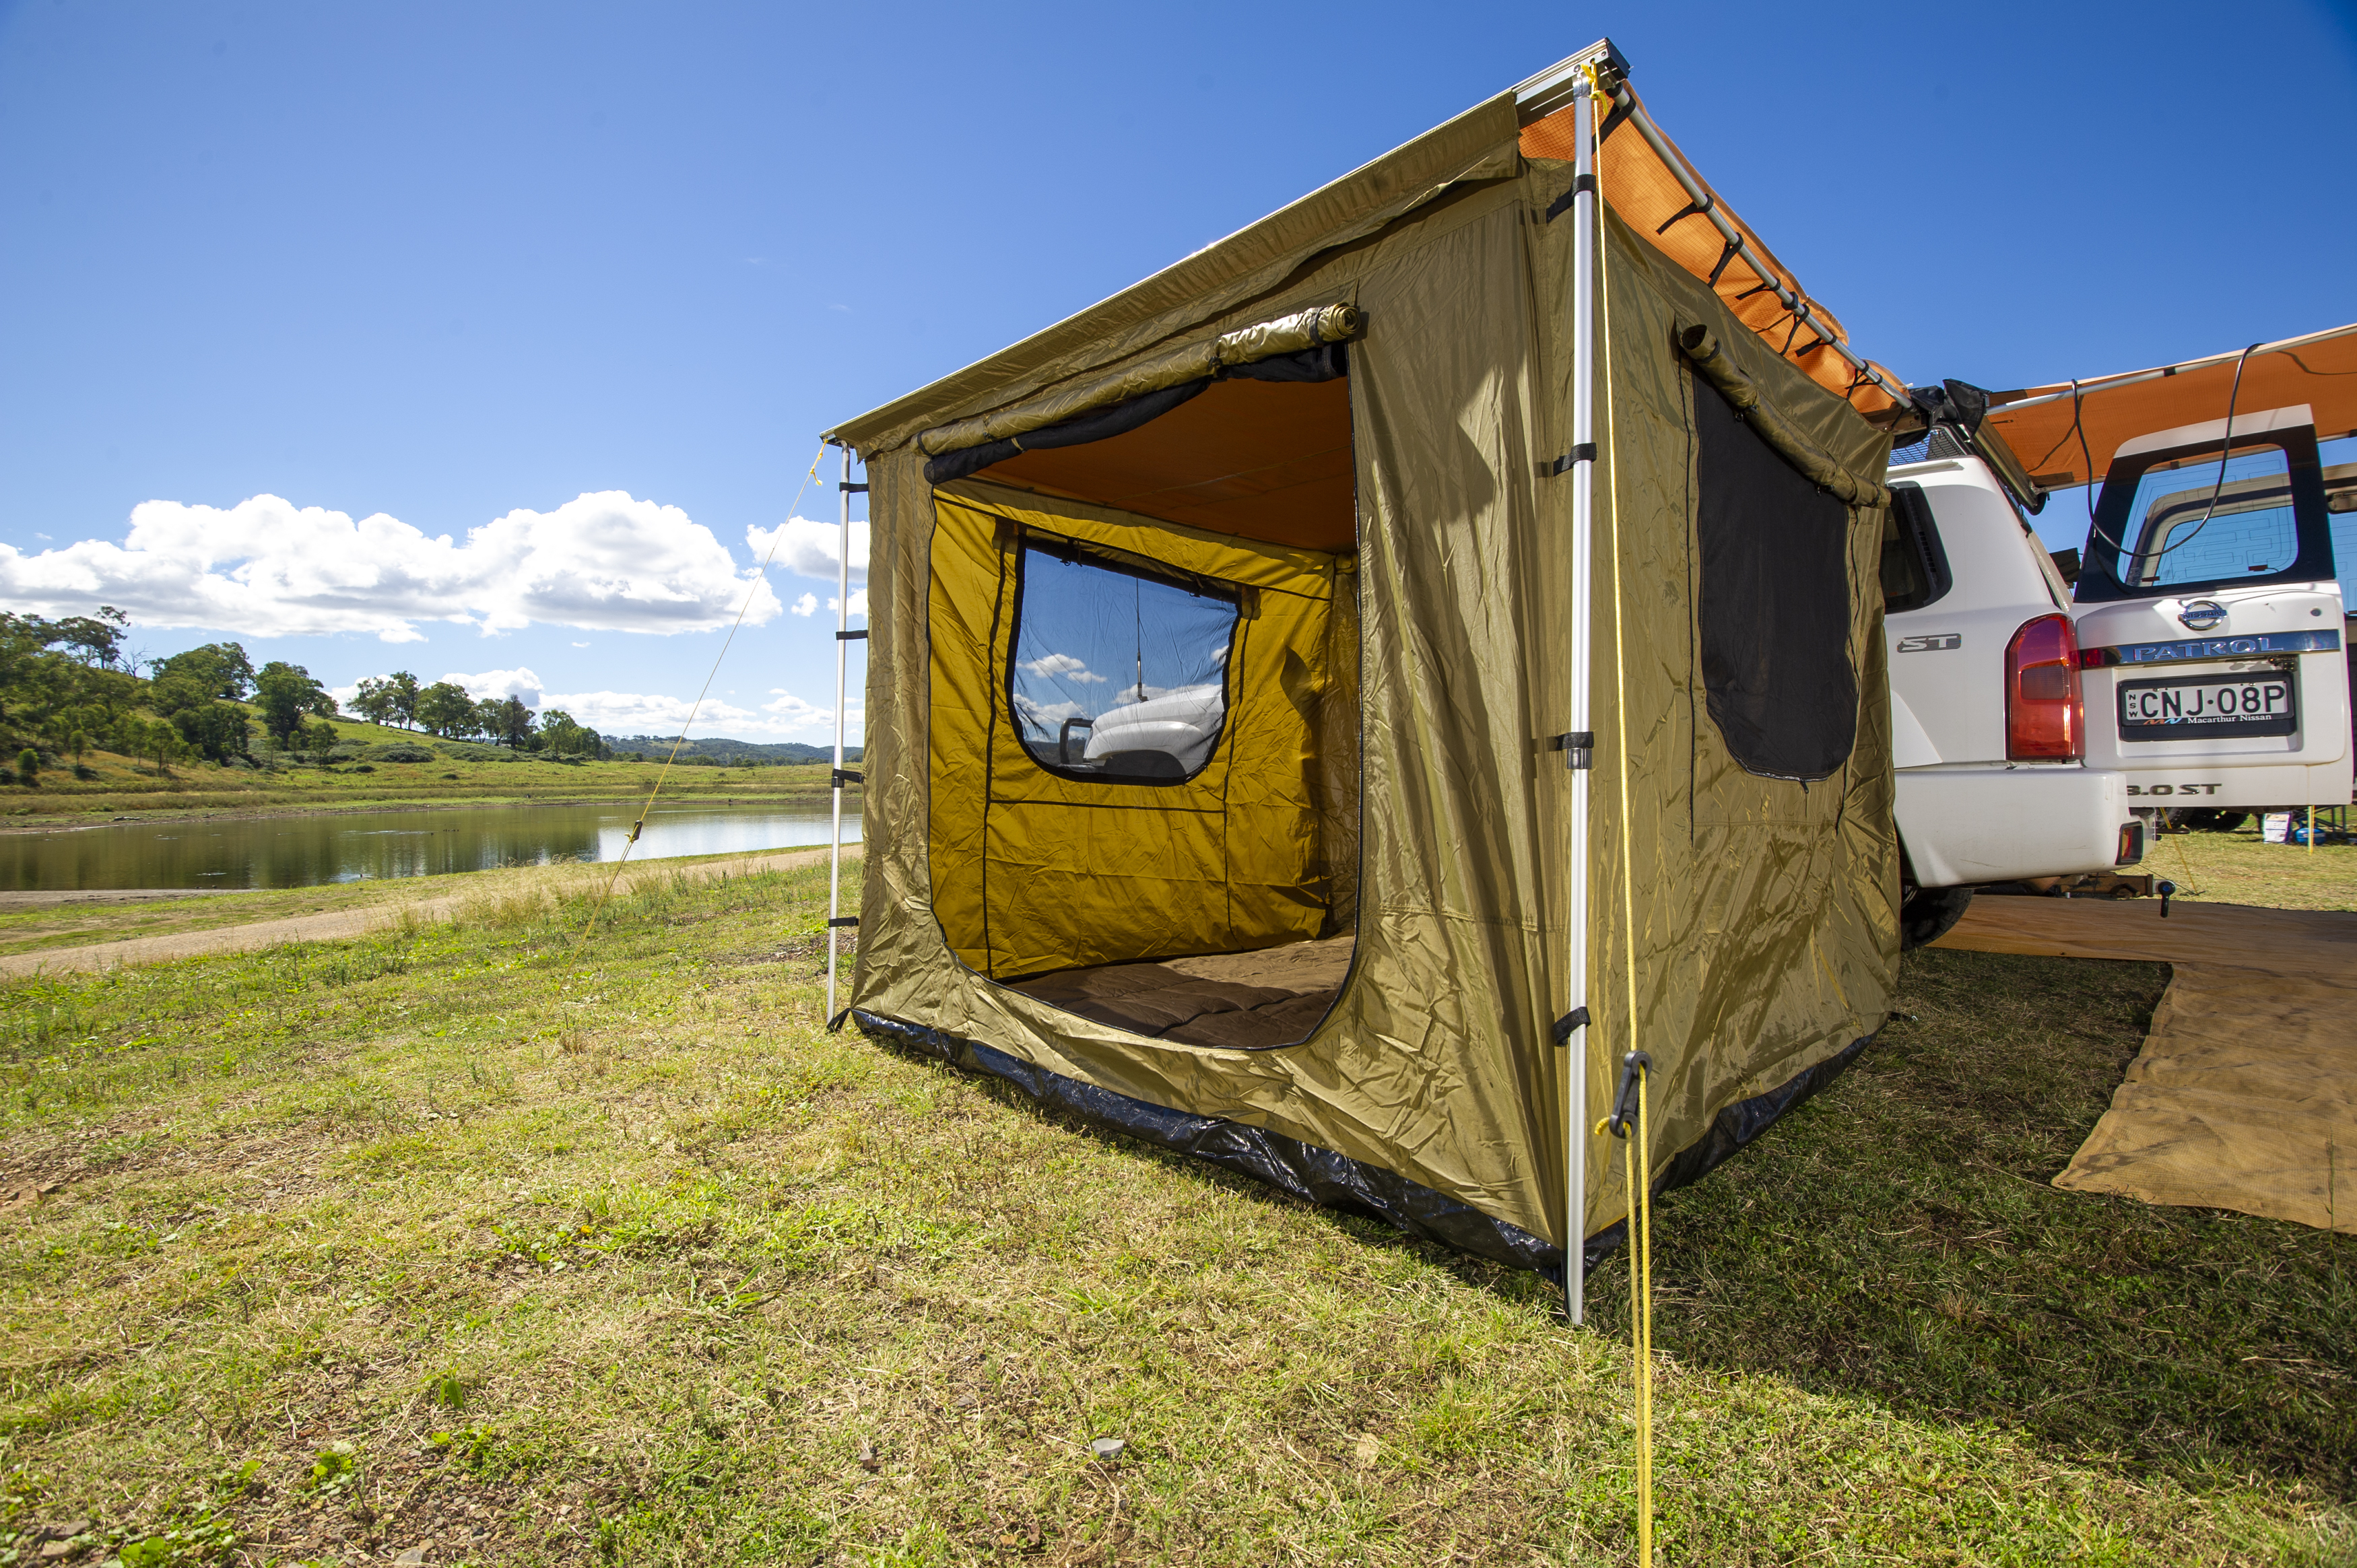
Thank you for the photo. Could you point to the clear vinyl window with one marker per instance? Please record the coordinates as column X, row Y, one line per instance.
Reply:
column 2189, row 524
column 1119, row 672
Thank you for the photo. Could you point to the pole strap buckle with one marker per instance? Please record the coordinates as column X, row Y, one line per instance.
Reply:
column 1578, row 747
column 1624, row 1101
column 844, row 775
column 843, row 922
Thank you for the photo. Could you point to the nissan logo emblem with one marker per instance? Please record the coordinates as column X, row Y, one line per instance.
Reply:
column 2201, row 615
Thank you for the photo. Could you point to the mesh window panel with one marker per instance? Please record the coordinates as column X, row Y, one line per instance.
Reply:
column 1775, row 602
column 1118, row 674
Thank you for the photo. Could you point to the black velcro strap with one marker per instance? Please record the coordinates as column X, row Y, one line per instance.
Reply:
column 1583, row 453
column 859, row 636
column 1581, row 746
column 843, row 776
column 847, row 488
column 1562, row 204
column 842, row 922
column 1734, row 249
column 1612, row 122
column 1691, row 210
column 1575, row 1019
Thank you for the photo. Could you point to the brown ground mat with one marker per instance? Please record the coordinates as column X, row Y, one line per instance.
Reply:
column 1244, row 1001
column 2245, row 1096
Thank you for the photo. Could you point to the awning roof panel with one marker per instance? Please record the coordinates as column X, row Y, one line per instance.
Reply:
column 2065, row 440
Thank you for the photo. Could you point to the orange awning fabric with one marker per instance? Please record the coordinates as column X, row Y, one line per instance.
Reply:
column 2065, row 441
column 1647, row 196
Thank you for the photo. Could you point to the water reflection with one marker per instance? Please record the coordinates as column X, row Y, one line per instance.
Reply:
column 302, row 852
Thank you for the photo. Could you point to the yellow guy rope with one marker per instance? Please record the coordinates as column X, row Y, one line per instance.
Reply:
column 750, row 594
column 1640, row 1160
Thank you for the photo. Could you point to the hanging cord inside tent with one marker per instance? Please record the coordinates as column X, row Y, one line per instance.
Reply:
column 760, row 577
column 1641, row 1266
column 2225, row 452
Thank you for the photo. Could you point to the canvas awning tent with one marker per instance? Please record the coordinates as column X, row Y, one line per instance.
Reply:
column 1309, row 686
column 2067, row 434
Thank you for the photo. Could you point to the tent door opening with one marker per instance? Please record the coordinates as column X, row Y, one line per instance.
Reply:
column 1145, row 736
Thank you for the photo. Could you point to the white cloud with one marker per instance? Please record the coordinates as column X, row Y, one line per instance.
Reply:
column 807, row 548
column 789, row 714
column 604, row 562
column 1062, row 666
column 784, row 717
column 1047, row 715
column 499, row 684
column 858, row 601
column 805, row 605
column 640, row 713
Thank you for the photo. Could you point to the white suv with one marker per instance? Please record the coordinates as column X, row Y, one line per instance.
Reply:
column 1988, row 721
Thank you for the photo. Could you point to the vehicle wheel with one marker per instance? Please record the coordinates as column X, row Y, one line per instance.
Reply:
column 2230, row 822
column 2207, row 819
column 1926, row 914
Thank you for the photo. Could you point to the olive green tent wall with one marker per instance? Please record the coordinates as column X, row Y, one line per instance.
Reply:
column 1745, row 938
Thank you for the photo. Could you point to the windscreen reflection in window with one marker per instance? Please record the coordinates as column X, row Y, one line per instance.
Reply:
column 1117, row 674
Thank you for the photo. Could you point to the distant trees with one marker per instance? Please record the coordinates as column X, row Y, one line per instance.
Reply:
column 217, row 671
column 389, row 700
column 445, row 709
column 215, row 731
column 510, row 722
column 561, row 735
column 287, row 695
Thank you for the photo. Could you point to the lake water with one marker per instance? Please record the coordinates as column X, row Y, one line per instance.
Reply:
column 302, row 852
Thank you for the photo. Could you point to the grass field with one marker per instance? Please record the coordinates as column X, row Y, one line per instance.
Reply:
column 127, row 786
column 480, row 1239
column 2242, row 868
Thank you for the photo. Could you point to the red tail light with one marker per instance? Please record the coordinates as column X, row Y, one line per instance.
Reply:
column 2045, row 717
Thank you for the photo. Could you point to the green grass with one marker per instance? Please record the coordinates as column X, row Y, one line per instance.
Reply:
column 125, row 786
column 543, row 1251
column 2242, row 868
column 45, row 926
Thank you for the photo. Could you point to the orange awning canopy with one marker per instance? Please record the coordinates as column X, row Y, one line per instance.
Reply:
column 1647, row 195
column 2067, row 440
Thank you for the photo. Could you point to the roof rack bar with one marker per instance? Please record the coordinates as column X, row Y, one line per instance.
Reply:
column 1792, row 300
column 2129, row 379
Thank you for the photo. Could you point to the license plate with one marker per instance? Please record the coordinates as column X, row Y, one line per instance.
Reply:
column 2204, row 707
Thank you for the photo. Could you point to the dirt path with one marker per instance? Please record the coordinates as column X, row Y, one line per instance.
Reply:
column 341, row 924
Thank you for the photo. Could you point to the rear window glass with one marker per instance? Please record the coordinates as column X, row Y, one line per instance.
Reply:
column 2194, row 523
column 1119, row 672
column 1914, row 563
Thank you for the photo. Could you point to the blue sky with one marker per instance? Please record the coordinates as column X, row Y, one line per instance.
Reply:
column 592, row 278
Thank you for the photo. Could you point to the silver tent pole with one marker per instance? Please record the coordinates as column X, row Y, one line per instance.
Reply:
column 1579, row 748
column 842, row 649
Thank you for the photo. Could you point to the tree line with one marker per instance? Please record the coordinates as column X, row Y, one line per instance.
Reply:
column 445, row 709
column 68, row 688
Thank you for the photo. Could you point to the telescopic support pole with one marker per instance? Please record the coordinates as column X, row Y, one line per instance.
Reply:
column 1583, row 509
column 842, row 649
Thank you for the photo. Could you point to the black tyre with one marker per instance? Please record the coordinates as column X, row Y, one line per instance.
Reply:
column 2207, row 819
column 1925, row 914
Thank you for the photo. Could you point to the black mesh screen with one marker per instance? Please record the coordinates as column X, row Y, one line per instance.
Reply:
column 1774, row 606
